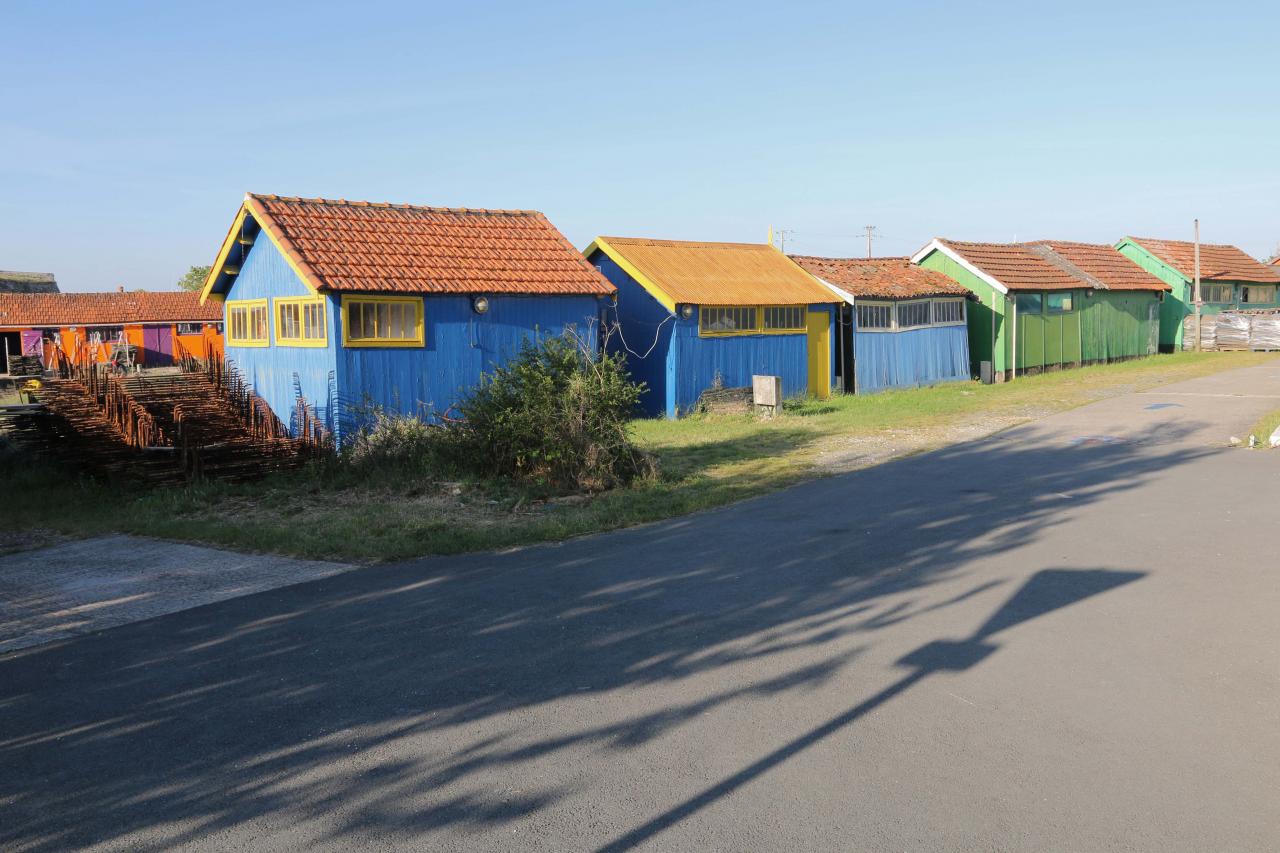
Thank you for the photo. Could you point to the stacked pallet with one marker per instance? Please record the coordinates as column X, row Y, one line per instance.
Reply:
column 1234, row 330
column 25, row 365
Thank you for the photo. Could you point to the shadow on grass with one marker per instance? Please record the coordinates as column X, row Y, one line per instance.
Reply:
column 461, row 696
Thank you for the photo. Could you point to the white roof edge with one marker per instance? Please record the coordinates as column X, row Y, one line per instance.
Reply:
column 843, row 294
column 936, row 245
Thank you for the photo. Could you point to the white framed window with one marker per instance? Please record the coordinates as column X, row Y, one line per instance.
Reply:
column 874, row 316
column 913, row 315
column 190, row 328
column 1258, row 294
column 1215, row 293
column 948, row 312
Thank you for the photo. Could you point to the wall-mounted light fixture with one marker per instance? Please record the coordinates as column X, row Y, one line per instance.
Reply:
column 480, row 304
column 1089, row 293
column 686, row 311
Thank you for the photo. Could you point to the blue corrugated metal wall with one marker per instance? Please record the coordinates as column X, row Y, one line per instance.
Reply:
column 910, row 358
column 698, row 361
column 281, row 374
column 645, row 334
column 460, row 345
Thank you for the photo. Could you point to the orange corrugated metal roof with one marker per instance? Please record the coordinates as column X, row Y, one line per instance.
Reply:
column 375, row 247
column 1056, row 265
column 894, row 278
column 717, row 273
column 1218, row 262
column 38, row 310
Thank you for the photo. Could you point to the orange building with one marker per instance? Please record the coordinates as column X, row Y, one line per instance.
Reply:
column 159, row 327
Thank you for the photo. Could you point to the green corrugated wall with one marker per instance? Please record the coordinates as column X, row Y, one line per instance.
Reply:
column 1106, row 326
column 1176, row 304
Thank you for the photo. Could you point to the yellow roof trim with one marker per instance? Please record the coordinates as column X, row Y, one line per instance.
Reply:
column 251, row 207
column 221, row 260
column 630, row 269
column 269, row 227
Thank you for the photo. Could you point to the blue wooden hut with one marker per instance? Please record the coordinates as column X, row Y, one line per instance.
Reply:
column 691, row 316
column 346, row 305
column 901, row 326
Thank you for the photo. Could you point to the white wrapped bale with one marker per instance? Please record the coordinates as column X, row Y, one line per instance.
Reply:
column 1265, row 334
column 1232, row 330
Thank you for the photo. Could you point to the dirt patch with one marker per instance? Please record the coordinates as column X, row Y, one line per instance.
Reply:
column 840, row 454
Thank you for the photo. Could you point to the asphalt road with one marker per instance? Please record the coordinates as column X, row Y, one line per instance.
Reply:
column 1063, row 637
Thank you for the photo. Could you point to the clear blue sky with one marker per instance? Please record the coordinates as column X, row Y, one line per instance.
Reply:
column 130, row 132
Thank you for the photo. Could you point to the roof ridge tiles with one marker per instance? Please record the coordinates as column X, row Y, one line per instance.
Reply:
column 342, row 202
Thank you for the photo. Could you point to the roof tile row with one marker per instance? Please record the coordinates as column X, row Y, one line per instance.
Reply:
column 37, row 310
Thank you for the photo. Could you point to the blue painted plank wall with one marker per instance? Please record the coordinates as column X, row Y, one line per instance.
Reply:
column 280, row 374
column 339, row 382
column 643, row 336
column 460, row 346
column 910, row 358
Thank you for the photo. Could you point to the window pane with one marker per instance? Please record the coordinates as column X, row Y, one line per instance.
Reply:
column 355, row 317
column 1058, row 303
column 913, row 314
column 788, row 317
column 1028, row 303
column 948, row 311
column 397, row 321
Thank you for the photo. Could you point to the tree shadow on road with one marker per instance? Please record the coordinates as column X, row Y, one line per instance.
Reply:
column 396, row 699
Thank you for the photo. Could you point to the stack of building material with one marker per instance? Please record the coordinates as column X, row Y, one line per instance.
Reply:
column 25, row 365
column 1265, row 334
column 1208, row 332
column 1233, row 331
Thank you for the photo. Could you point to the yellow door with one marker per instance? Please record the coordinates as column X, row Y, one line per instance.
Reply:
column 820, row 354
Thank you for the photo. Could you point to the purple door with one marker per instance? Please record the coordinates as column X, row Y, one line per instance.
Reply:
column 31, row 342
column 157, row 346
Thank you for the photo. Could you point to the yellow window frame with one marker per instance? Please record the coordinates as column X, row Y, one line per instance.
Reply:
column 248, row 306
column 759, row 327
column 416, row 302
column 283, row 339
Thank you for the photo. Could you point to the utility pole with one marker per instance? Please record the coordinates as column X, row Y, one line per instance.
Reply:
column 1196, row 295
column 782, row 238
column 871, row 230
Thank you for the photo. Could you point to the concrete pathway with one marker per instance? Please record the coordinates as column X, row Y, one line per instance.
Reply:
column 1060, row 637
column 92, row 584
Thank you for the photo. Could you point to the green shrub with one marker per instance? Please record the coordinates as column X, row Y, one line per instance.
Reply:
column 401, row 445
column 556, row 414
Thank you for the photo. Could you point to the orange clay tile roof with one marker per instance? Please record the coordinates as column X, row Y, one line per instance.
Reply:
column 718, row 273
column 1100, row 262
column 894, row 278
column 1056, row 265
column 401, row 248
column 37, row 310
column 1217, row 262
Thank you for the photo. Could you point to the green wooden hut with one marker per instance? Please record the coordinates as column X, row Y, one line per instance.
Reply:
column 1050, row 304
column 1229, row 280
